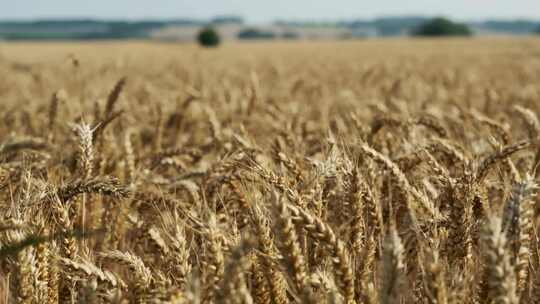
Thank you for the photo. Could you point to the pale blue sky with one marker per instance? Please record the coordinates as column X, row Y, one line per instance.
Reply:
column 267, row 10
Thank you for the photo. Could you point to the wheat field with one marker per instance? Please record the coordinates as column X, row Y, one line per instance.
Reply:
column 377, row 171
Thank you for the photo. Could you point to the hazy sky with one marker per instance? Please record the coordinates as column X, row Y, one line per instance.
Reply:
column 267, row 10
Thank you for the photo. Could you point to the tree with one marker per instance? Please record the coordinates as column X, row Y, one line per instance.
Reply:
column 442, row 27
column 538, row 30
column 208, row 37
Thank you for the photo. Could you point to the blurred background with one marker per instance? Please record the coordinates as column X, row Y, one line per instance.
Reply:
column 169, row 20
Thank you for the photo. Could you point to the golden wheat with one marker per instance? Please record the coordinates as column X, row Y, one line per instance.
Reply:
column 383, row 171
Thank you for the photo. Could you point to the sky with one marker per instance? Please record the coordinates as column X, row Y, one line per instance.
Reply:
column 261, row 11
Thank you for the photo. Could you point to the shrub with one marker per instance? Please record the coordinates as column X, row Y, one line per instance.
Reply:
column 208, row 37
column 442, row 27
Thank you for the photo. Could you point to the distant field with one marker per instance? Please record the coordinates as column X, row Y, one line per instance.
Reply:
column 372, row 47
column 370, row 171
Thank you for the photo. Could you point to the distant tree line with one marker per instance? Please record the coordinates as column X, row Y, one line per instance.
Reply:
column 441, row 27
column 257, row 34
column 87, row 29
column 227, row 20
column 253, row 33
column 511, row 26
column 91, row 29
column 395, row 26
column 81, row 29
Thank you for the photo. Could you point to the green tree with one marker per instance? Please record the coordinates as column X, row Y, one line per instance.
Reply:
column 208, row 37
column 442, row 27
column 538, row 30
